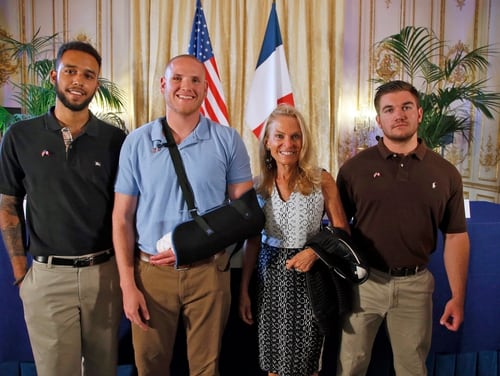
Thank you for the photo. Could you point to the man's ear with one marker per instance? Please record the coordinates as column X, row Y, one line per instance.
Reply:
column 53, row 76
column 163, row 84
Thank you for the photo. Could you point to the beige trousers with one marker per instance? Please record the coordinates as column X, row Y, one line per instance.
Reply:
column 201, row 296
column 406, row 304
column 73, row 317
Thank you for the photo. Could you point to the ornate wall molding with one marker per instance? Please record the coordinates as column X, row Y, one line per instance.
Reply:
column 489, row 155
column 386, row 66
column 461, row 74
column 8, row 66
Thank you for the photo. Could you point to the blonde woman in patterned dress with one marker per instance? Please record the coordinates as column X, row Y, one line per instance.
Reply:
column 294, row 194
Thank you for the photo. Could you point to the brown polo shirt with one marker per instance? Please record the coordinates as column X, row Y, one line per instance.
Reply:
column 398, row 203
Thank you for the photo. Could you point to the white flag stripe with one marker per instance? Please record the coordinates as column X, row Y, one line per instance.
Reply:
column 221, row 118
column 214, row 102
column 212, row 72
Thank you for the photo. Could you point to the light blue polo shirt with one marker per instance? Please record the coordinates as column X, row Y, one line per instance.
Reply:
column 214, row 156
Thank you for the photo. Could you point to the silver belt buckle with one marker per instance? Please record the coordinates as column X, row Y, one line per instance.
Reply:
column 83, row 261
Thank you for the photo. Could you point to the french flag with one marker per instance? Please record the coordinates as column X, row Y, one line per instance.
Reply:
column 271, row 83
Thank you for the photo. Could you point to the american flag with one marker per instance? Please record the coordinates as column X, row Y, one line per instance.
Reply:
column 214, row 106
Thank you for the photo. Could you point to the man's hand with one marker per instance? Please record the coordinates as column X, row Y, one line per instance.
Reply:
column 453, row 315
column 134, row 307
column 245, row 308
column 163, row 258
column 166, row 255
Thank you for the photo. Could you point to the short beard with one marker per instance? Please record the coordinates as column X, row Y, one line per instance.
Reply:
column 73, row 107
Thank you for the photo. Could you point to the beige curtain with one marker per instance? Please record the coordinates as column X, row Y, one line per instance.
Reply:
column 311, row 32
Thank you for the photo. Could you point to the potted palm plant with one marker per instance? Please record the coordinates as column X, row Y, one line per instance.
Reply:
column 36, row 95
column 451, row 86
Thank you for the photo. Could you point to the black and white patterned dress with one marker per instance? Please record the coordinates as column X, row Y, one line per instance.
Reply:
column 289, row 340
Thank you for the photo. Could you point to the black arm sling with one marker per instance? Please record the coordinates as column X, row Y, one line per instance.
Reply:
column 217, row 229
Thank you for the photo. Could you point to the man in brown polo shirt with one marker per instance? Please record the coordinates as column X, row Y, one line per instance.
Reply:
column 398, row 194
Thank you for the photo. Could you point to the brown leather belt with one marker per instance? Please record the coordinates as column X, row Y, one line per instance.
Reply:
column 143, row 256
column 77, row 261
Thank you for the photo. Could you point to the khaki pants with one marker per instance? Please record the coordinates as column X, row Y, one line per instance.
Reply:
column 73, row 317
column 202, row 296
column 406, row 303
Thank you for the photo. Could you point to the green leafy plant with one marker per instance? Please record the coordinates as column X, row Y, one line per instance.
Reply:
column 36, row 95
column 450, row 87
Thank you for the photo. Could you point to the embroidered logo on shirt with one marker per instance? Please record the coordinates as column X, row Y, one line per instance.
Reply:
column 45, row 153
column 97, row 163
column 157, row 145
column 434, row 185
column 376, row 175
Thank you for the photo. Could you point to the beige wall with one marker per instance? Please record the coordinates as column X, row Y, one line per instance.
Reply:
column 332, row 86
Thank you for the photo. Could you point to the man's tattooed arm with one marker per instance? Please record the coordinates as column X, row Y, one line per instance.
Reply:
column 12, row 226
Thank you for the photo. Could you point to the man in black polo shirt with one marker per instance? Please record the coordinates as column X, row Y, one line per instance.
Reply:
column 64, row 164
column 398, row 194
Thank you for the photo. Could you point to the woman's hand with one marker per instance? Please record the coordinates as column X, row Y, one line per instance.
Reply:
column 302, row 261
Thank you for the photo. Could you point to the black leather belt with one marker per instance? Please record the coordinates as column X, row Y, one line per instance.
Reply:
column 403, row 271
column 76, row 262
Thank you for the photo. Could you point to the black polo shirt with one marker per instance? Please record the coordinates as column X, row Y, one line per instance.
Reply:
column 397, row 203
column 69, row 194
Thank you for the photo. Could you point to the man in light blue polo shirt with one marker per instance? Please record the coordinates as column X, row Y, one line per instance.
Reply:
column 149, row 203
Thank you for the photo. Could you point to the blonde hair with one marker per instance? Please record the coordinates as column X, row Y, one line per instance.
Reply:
column 307, row 176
